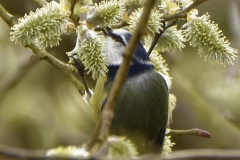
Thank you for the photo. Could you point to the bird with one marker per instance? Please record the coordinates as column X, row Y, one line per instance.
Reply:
column 141, row 110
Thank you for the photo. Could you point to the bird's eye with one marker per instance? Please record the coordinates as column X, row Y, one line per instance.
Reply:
column 118, row 39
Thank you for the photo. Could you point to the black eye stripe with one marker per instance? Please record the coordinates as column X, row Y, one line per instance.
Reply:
column 109, row 32
column 117, row 38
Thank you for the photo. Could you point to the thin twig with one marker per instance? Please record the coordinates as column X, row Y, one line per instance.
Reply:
column 158, row 35
column 196, row 154
column 63, row 67
column 195, row 132
column 8, row 18
column 174, row 17
column 183, row 13
column 107, row 114
column 16, row 153
column 204, row 154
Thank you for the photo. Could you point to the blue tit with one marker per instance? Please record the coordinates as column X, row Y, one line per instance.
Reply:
column 141, row 111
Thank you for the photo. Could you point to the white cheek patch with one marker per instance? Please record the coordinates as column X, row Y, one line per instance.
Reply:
column 114, row 51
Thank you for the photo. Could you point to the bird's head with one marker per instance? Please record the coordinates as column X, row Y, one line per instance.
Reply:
column 116, row 42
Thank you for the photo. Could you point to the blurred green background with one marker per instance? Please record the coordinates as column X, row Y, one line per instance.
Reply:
column 44, row 110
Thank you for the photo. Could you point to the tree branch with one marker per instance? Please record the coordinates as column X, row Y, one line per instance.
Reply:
column 174, row 17
column 204, row 154
column 12, row 152
column 158, row 35
column 108, row 110
column 195, row 132
column 183, row 13
column 8, row 18
column 63, row 67
column 194, row 154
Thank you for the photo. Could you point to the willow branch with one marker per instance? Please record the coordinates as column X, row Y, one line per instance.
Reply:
column 195, row 132
column 108, row 110
column 204, row 154
column 158, row 35
column 175, row 17
column 196, row 154
column 8, row 18
column 183, row 13
column 16, row 153
column 63, row 67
